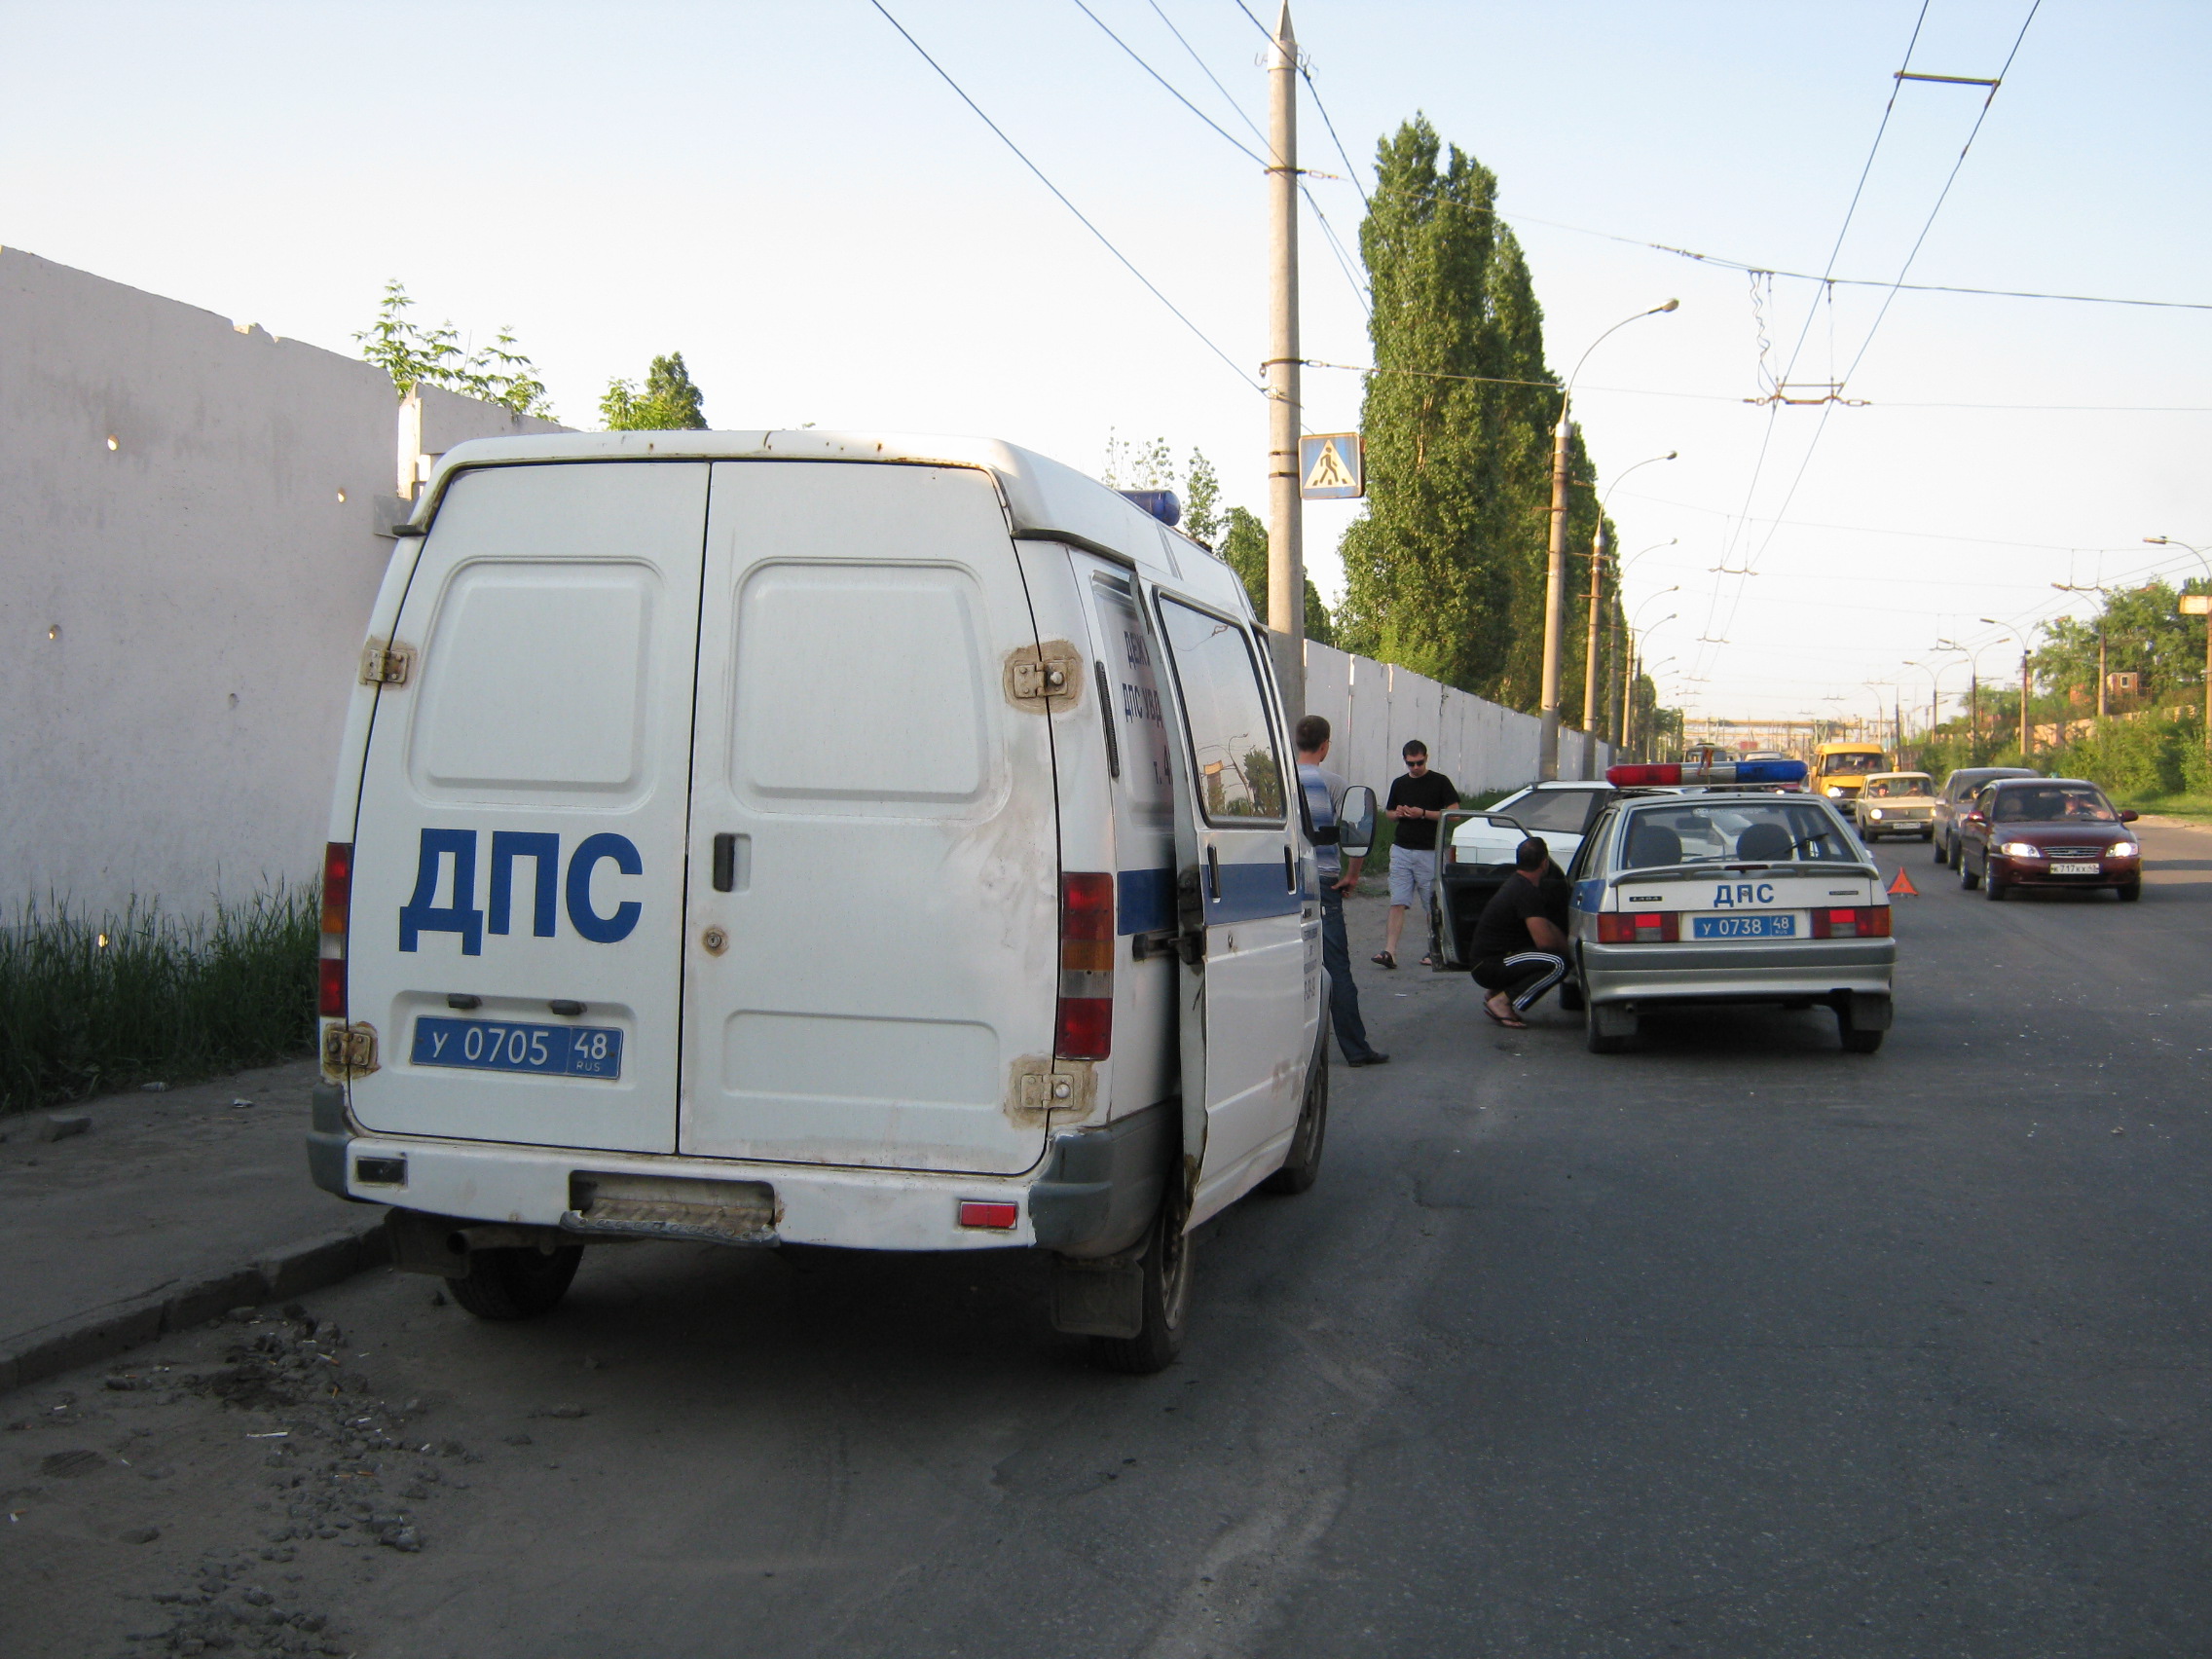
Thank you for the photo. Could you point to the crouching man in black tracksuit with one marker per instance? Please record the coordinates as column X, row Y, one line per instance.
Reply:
column 1520, row 947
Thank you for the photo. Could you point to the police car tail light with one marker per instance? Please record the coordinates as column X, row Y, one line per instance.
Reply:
column 1646, row 927
column 1860, row 921
column 337, row 906
column 1085, row 1027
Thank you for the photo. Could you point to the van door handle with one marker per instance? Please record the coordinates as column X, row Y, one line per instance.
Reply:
column 1289, row 870
column 726, row 864
column 1213, row 871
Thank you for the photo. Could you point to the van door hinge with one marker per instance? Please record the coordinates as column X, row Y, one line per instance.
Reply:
column 386, row 664
column 1053, row 668
column 349, row 1050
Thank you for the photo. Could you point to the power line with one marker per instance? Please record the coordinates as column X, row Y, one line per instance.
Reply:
column 1257, row 160
column 1105, row 241
column 1896, row 86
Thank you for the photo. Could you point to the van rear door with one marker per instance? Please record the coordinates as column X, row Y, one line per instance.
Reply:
column 519, row 847
column 871, row 945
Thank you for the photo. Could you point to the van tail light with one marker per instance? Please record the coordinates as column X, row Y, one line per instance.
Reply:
column 1639, row 926
column 1085, row 1027
column 337, row 908
column 1860, row 921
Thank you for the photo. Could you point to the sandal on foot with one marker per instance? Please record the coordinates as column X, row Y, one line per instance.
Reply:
column 1516, row 1023
column 1383, row 959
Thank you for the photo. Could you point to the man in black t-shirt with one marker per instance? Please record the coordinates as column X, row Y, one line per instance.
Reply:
column 1416, row 802
column 1519, row 951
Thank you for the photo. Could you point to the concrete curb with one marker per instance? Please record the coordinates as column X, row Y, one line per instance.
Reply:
column 310, row 1265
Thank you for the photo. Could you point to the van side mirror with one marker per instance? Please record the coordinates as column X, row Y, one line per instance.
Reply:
column 2129, row 817
column 1355, row 822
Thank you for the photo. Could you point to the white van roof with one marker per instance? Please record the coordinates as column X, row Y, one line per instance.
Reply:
column 1043, row 498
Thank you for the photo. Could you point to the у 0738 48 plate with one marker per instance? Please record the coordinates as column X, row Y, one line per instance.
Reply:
column 493, row 1045
column 1763, row 926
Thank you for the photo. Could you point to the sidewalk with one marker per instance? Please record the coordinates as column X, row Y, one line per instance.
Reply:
column 171, row 1209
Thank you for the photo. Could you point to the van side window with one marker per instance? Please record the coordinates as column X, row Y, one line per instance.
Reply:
column 1147, row 769
column 1232, row 750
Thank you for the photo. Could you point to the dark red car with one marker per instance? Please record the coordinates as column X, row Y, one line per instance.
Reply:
column 2047, row 832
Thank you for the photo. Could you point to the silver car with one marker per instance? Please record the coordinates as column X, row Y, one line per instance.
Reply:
column 1728, row 897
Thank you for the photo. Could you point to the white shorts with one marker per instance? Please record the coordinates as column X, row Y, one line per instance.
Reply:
column 1412, row 876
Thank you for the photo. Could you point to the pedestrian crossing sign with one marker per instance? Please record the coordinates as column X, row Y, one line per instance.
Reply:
column 1332, row 466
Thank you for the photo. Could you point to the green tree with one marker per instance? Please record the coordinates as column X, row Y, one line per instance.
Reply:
column 1245, row 550
column 414, row 355
column 670, row 402
column 1445, row 572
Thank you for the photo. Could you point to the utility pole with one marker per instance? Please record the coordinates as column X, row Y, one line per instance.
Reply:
column 2027, row 747
column 2100, row 668
column 1287, row 538
column 1555, row 595
column 1590, row 645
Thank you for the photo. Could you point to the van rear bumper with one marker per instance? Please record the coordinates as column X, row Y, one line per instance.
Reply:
column 865, row 1209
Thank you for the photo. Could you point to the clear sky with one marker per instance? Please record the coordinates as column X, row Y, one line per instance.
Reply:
column 790, row 197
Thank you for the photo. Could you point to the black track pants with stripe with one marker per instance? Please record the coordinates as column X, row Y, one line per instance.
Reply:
column 1523, row 977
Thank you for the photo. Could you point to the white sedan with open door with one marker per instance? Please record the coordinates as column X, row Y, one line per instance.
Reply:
column 1727, row 898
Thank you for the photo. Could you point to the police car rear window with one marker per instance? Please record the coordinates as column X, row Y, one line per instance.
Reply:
column 1734, row 832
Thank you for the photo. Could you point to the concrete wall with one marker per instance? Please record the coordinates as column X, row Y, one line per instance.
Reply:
column 189, row 548
column 1374, row 708
column 182, row 591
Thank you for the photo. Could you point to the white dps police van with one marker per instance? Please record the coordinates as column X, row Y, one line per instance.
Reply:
column 793, row 836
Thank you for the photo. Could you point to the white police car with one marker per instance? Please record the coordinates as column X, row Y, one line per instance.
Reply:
column 1727, row 897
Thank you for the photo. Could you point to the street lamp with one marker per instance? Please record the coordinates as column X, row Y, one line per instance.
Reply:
column 1620, row 580
column 1555, row 569
column 2104, row 593
column 2027, row 689
column 1590, row 644
column 2169, row 541
column 1974, row 690
column 1629, row 657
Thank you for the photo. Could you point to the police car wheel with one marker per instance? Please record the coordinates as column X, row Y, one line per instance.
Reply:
column 1302, row 1167
column 1166, row 1271
column 1570, row 994
column 516, row 1282
column 1862, row 1042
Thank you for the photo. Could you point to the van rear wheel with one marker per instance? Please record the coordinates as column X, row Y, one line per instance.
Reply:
column 516, row 1282
column 1165, row 1265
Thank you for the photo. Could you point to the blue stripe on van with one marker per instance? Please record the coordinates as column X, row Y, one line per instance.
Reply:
column 1145, row 898
column 1251, row 891
column 1144, row 901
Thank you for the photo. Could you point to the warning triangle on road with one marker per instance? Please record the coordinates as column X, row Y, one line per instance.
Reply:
column 1329, row 470
column 1902, row 887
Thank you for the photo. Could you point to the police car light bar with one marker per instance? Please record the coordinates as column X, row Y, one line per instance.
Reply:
column 1734, row 772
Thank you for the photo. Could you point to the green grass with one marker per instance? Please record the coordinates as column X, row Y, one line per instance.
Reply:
column 2168, row 805
column 87, row 1006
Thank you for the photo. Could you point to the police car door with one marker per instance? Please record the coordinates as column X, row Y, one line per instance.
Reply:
column 519, row 848
column 1245, row 1002
column 871, row 965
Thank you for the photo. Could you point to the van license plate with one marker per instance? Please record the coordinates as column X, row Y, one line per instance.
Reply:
column 491, row 1044
column 1743, row 927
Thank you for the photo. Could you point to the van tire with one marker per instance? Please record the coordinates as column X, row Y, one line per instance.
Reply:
column 1165, row 1265
column 1302, row 1167
column 1969, row 879
column 516, row 1282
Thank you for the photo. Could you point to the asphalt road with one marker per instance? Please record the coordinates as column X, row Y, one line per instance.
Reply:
column 1737, row 1346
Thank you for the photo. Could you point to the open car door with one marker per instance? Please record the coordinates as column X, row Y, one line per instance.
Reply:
column 1471, row 870
column 1244, row 995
